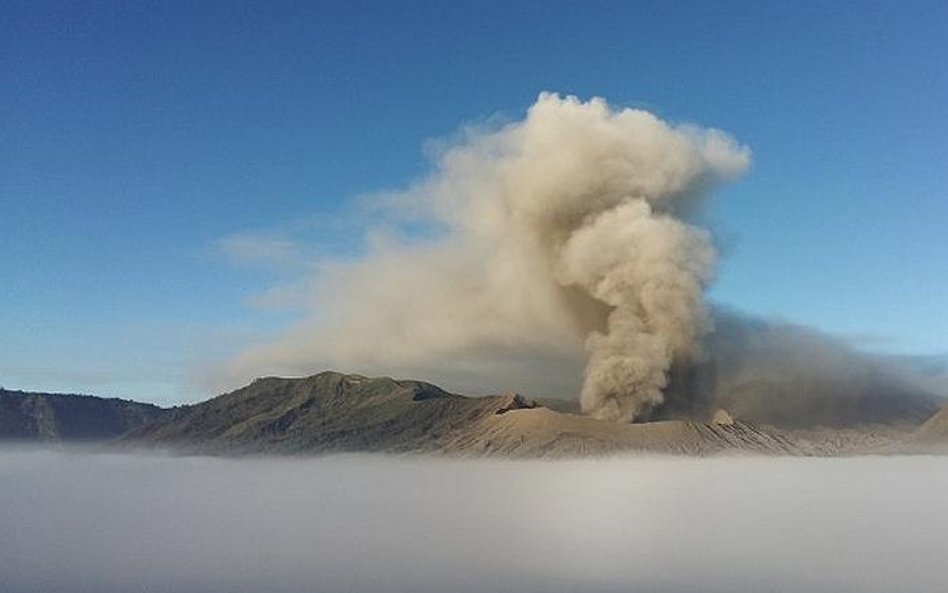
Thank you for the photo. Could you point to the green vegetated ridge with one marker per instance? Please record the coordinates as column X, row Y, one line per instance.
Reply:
column 325, row 412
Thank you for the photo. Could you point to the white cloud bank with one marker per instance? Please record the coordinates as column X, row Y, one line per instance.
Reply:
column 118, row 523
column 565, row 243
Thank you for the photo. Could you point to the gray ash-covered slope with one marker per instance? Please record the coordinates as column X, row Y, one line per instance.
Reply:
column 930, row 437
column 936, row 427
column 332, row 412
column 57, row 417
column 540, row 432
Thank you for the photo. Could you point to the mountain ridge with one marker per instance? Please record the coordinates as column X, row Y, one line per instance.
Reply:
column 335, row 412
column 52, row 417
column 332, row 412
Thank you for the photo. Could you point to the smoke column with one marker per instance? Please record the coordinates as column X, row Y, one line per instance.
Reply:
column 651, row 269
column 564, row 235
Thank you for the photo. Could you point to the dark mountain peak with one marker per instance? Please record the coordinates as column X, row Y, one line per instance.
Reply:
column 328, row 410
column 55, row 417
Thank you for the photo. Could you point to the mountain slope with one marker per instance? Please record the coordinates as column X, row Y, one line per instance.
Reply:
column 55, row 417
column 936, row 428
column 544, row 432
column 325, row 412
column 332, row 412
column 930, row 437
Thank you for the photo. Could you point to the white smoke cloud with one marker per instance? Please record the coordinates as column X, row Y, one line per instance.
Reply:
column 565, row 240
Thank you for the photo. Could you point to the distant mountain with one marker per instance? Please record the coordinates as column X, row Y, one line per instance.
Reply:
column 937, row 426
column 333, row 412
column 57, row 417
column 930, row 437
column 325, row 412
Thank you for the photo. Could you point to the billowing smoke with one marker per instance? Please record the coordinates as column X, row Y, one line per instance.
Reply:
column 651, row 269
column 564, row 238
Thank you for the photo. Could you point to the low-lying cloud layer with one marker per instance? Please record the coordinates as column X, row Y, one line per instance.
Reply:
column 117, row 523
column 565, row 248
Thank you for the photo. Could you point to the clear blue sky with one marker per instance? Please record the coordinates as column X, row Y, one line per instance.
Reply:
column 135, row 138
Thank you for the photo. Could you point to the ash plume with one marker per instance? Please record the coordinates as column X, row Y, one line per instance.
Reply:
column 563, row 240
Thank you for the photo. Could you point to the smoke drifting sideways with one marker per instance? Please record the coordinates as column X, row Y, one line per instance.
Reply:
column 793, row 376
column 564, row 240
column 118, row 523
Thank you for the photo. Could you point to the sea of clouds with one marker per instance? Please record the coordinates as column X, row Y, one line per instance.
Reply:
column 73, row 521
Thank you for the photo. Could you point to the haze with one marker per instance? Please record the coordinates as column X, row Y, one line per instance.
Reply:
column 115, row 523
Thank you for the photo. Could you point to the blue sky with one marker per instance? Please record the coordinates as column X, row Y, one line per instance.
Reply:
column 143, row 147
